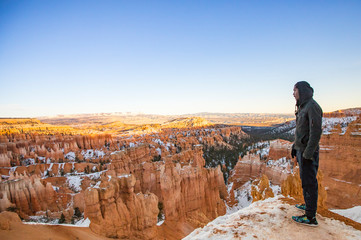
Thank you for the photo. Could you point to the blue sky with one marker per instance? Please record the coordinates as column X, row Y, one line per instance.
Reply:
column 175, row 57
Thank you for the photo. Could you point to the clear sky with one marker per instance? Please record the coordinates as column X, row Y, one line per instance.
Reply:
column 176, row 57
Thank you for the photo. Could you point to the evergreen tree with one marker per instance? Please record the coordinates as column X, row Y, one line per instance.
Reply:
column 62, row 219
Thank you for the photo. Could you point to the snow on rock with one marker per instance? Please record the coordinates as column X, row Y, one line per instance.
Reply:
column 263, row 148
column 124, row 176
column 160, row 142
column 351, row 213
column 161, row 220
column 329, row 123
column 70, row 156
column 160, row 223
column 287, row 127
column 88, row 153
column 271, row 219
column 99, row 154
column 276, row 189
column 74, row 182
column 283, row 164
column 28, row 161
column 115, row 152
column 40, row 220
column 96, row 175
column 229, row 187
column 243, row 197
column 97, row 184
column 83, row 223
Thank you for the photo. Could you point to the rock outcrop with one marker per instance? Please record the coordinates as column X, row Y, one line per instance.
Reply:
column 116, row 211
column 187, row 192
column 7, row 219
column 276, row 165
column 261, row 190
column 29, row 195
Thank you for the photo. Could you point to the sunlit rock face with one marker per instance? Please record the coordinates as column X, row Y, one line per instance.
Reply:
column 115, row 210
column 29, row 195
column 261, row 190
column 280, row 149
column 340, row 154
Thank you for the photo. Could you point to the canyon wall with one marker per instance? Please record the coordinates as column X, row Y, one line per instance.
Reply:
column 340, row 155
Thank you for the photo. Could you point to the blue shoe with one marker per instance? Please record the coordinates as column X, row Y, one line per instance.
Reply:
column 301, row 206
column 312, row 222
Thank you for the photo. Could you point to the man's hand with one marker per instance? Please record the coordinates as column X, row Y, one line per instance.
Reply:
column 293, row 153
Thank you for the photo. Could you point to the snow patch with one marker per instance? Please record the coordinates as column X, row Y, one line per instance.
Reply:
column 124, row 176
column 83, row 223
column 70, row 156
column 329, row 123
column 36, row 220
column 74, row 182
column 351, row 213
column 242, row 195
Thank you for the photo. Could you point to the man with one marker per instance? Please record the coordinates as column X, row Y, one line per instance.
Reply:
column 306, row 149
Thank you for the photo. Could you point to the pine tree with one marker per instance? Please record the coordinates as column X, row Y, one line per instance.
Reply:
column 62, row 219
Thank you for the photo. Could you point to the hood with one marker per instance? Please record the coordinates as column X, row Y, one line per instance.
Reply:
column 305, row 92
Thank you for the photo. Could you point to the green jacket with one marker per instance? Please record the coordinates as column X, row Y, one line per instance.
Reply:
column 308, row 128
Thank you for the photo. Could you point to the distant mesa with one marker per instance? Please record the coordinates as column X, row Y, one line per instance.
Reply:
column 19, row 121
column 186, row 122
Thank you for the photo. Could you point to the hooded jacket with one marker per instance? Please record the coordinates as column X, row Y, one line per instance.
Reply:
column 308, row 121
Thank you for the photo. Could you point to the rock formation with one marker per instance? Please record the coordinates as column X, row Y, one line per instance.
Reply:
column 116, row 211
column 261, row 190
column 276, row 165
column 125, row 185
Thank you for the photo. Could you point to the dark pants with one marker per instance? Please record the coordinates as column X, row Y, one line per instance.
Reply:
column 308, row 173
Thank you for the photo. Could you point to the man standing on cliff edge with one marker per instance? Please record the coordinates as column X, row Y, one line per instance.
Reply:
column 306, row 149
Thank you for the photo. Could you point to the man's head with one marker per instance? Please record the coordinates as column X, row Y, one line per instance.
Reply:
column 302, row 91
column 296, row 94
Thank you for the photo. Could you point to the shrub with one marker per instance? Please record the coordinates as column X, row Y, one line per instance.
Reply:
column 12, row 209
column 77, row 212
column 62, row 219
column 160, row 214
column 157, row 158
